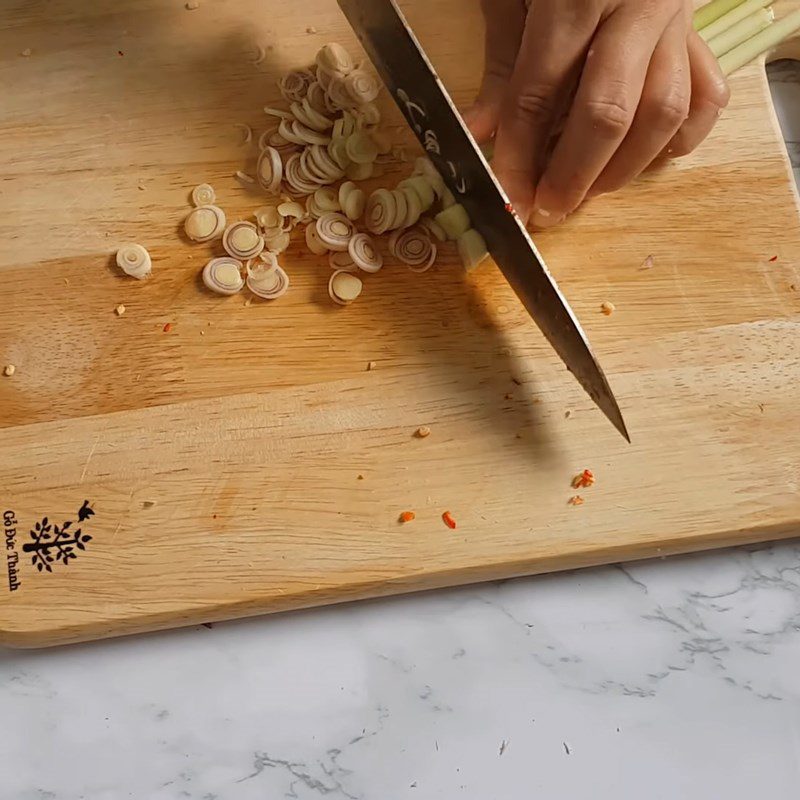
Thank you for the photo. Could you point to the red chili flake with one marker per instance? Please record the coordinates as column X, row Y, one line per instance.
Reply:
column 509, row 208
column 774, row 258
column 168, row 327
column 584, row 480
column 120, row 53
column 407, row 516
column 449, row 521
column 576, row 501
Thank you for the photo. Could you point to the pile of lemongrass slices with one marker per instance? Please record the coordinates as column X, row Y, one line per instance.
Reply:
column 309, row 165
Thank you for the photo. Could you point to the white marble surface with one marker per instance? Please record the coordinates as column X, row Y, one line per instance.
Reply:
column 668, row 680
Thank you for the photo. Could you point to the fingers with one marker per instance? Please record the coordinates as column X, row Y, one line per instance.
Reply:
column 710, row 94
column 552, row 52
column 663, row 108
column 602, row 112
column 505, row 22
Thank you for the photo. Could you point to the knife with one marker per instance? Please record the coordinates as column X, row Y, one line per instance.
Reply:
column 415, row 87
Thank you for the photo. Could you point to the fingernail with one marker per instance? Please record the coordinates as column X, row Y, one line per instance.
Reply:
column 542, row 218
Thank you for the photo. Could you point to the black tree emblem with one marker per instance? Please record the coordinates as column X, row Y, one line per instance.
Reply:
column 52, row 544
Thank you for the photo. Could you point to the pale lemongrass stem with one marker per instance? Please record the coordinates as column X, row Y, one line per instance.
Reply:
column 761, row 43
column 731, row 18
column 705, row 15
column 741, row 31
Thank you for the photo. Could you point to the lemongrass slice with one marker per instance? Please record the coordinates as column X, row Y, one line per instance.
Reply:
column 205, row 223
column 369, row 114
column 421, row 185
column 308, row 170
column 294, row 85
column 414, row 207
column 455, row 221
column 448, row 198
column 277, row 243
column 286, row 130
column 316, row 98
column 268, row 279
column 267, row 217
column 361, row 86
column 334, row 58
column 364, row 253
column 324, row 78
column 293, row 176
column 277, row 112
column 308, row 135
column 335, row 230
column 361, row 148
column 472, row 249
column 263, row 139
column 344, row 287
column 344, row 191
column 434, row 228
column 293, row 210
column 280, row 143
column 242, row 240
column 401, row 210
column 354, row 206
column 327, row 200
column 424, row 166
column 359, row 172
column 313, row 211
column 380, row 211
column 341, row 261
column 315, row 244
column 203, row 195
column 135, row 261
column 269, row 171
column 337, row 150
column 315, row 119
column 299, row 113
column 337, row 93
column 324, row 164
column 224, row 276
column 414, row 248
column 244, row 178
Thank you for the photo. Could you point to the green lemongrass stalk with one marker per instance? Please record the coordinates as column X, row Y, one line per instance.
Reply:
column 714, row 10
column 732, row 17
column 741, row 31
column 760, row 43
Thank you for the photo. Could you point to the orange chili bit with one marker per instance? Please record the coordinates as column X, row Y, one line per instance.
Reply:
column 509, row 208
column 407, row 516
column 449, row 521
column 576, row 501
column 168, row 327
column 773, row 259
column 584, row 480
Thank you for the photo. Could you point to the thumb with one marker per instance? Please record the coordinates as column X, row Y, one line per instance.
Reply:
column 505, row 22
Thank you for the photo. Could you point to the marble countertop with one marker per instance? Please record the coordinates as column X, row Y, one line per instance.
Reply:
column 673, row 680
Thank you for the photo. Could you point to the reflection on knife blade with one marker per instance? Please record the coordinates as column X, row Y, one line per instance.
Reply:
column 415, row 87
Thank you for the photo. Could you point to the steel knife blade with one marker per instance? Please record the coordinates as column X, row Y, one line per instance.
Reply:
column 416, row 88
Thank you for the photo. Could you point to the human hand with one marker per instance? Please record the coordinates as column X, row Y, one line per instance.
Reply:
column 629, row 79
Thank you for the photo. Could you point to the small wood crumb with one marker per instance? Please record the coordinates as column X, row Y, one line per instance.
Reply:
column 248, row 302
column 423, row 433
column 648, row 263
column 567, row 414
column 9, row 370
column 517, row 381
column 26, row 53
column 167, row 328
column 407, row 516
column 509, row 396
column 519, row 436
column 311, row 30
column 148, row 504
column 142, row 187
column 576, row 501
column 361, row 477
column 191, row 5
column 792, row 287
column 66, row 281
column 371, row 366
column 608, row 308
column 202, row 333
column 119, row 310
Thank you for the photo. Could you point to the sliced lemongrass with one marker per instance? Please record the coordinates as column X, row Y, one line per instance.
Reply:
column 310, row 172
column 286, row 130
column 203, row 195
column 448, row 199
column 134, row 261
column 291, row 209
column 263, row 139
column 401, row 210
column 422, row 186
column 324, row 78
column 361, row 148
column 260, row 55
column 316, row 119
column 334, row 58
column 277, row 243
column 277, row 112
column 359, row 172
column 267, row 217
column 381, row 210
column 324, row 163
column 341, row 261
column 315, row 244
column 224, row 276
column 338, row 95
column 361, row 86
column 364, row 253
column 292, row 172
column 242, row 240
column 205, row 223
column 455, row 221
column 472, row 249
column 434, row 228
column 354, row 206
column 269, row 170
column 299, row 113
column 414, row 207
column 280, row 143
column 312, row 210
column 316, row 98
column 309, row 135
column 327, row 200
column 335, row 230
column 368, row 114
column 425, row 167
column 344, row 287
column 414, row 248
column 294, row 85
column 740, row 32
column 337, row 150
column 706, row 14
column 267, row 280
column 244, row 178
column 730, row 19
column 246, row 129
column 344, row 191
column 759, row 44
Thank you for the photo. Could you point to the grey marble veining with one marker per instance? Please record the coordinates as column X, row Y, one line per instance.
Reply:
column 663, row 680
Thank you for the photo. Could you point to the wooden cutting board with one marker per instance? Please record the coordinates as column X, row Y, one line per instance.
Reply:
column 246, row 460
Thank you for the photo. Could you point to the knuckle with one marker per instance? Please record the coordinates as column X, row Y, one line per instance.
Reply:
column 666, row 112
column 535, row 103
column 609, row 116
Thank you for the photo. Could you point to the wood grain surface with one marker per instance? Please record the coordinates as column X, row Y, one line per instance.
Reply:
column 247, row 461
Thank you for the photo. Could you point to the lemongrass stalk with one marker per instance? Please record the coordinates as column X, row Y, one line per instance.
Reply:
column 741, row 31
column 760, row 43
column 705, row 15
column 731, row 18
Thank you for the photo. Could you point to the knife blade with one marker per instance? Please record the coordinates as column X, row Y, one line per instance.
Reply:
column 422, row 98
